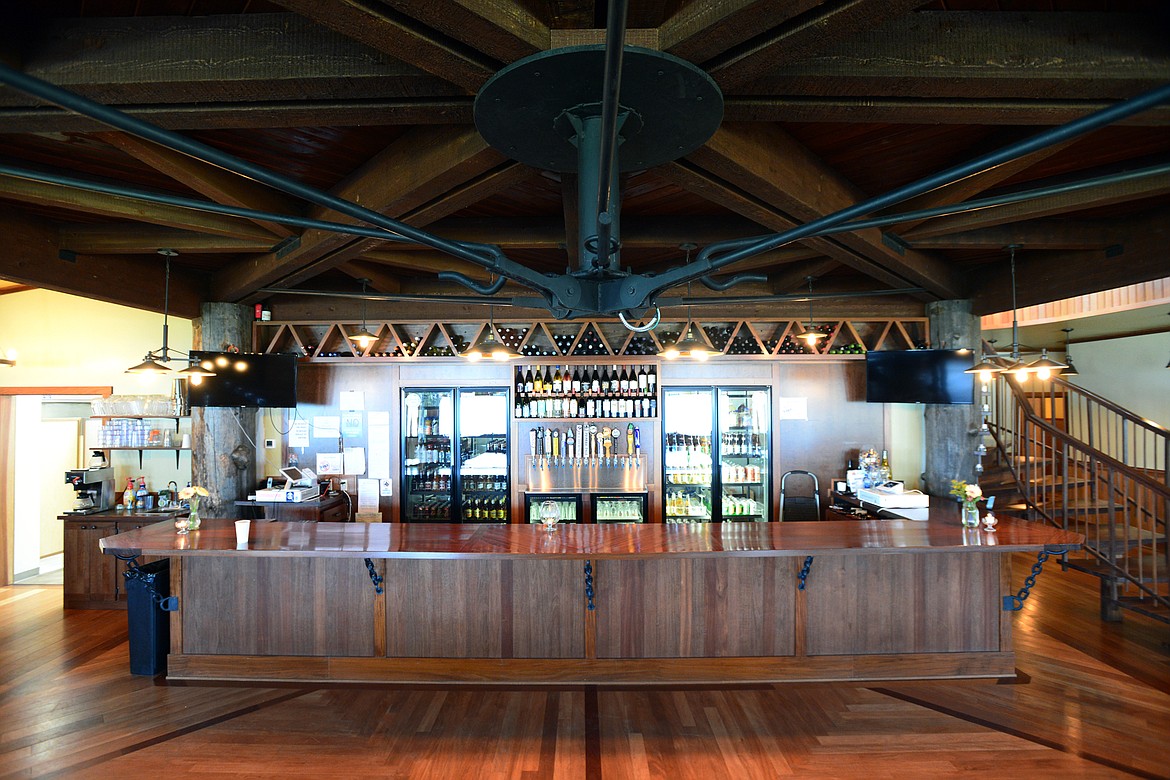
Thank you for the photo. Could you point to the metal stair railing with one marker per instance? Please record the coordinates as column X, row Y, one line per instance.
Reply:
column 1120, row 507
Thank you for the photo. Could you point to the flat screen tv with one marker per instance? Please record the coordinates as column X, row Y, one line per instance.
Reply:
column 919, row 376
column 245, row 380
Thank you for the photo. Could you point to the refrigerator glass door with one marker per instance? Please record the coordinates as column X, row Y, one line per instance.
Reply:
column 619, row 508
column 744, row 454
column 428, row 422
column 688, row 419
column 569, row 505
column 483, row 456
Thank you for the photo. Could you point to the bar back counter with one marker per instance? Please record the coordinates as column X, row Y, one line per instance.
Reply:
column 690, row 603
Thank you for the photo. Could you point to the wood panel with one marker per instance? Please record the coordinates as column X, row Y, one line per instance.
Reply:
column 277, row 606
column 685, row 608
column 943, row 603
column 91, row 579
column 485, row 609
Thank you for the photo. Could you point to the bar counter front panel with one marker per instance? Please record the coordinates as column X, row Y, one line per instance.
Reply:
column 678, row 603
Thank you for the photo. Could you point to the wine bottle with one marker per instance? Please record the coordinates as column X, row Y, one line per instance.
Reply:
column 557, row 382
column 547, row 380
column 575, row 385
column 538, row 383
column 651, row 379
column 624, row 382
column 519, row 380
column 595, row 383
column 642, row 380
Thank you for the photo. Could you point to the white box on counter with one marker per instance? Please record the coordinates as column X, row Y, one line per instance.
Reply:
column 889, row 499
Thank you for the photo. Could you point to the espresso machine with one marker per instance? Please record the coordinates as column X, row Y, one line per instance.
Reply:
column 94, row 490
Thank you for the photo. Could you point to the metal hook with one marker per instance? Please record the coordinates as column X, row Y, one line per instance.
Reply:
column 641, row 328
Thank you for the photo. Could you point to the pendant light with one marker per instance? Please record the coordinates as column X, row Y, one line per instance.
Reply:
column 986, row 370
column 363, row 338
column 488, row 345
column 1016, row 367
column 156, row 360
column 810, row 336
column 1070, row 369
column 1045, row 367
column 688, row 343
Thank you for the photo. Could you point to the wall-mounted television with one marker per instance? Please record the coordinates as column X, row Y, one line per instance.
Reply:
column 919, row 376
column 250, row 380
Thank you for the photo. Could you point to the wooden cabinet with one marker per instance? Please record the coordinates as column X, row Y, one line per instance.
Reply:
column 93, row 580
column 90, row 578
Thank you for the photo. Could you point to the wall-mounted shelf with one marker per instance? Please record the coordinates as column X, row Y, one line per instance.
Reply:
column 144, row 447
column 596, row 340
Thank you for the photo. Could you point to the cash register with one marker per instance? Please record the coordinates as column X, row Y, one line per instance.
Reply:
column 299, row 485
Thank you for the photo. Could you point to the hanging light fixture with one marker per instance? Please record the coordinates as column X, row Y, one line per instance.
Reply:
column 1016, row 367
column 156, row 360
column 1070, row 369
column 688, row 343
column 986, row 370
column 363, row 338
column 810, row 336
column 488, row 344
column 1045, row 367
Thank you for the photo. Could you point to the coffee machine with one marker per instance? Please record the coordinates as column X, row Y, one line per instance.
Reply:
column 94, row 490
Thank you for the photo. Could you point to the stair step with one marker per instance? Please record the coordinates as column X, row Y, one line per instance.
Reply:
column 1141, row 568
column 1148, row 607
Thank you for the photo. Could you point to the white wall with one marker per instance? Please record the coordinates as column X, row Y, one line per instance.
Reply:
column 92, row 345
column 907, row 441
column 1130, row 371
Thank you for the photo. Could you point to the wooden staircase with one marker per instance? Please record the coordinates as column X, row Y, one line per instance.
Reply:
column 1069, row 458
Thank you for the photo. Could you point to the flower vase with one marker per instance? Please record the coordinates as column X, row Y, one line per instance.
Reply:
column 970, row 515
column 193, row 516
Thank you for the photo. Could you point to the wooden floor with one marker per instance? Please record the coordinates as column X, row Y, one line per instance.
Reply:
column 1092, row 700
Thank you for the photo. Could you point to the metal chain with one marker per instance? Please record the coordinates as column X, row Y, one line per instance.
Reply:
column 1016, row 603
column 589, row 584
column 804, row 570
column 375, row 578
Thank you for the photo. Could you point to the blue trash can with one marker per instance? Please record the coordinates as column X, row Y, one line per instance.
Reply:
column 147, row 603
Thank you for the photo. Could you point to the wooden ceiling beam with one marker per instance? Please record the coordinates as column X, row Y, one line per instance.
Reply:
column 701, row 30
column 503, row 31
column 211, row 181
column 1064, row 203
column 379, row 278
column 430, row 262
column 1036, row 234
column 802, row 38
column 135, row 239
column 153, row 60
column 922, row 111
column 774, row 168
column 380, row 27
column 973, row 55
column 417, row 168
column 32, row 258
column 131, row 209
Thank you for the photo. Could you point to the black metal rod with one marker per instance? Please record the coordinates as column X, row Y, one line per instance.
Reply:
column 208, row 206
column 171, row 140
column 615, row 39
column 704, row 264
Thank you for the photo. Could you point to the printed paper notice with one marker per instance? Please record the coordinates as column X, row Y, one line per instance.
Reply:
column 352, row 401
column 329, row 464
column 298, row 434
column 378, row 442
column 355, row 460
column 326, row 427
column 368, row 493
column 793, row 408
column 351, row 423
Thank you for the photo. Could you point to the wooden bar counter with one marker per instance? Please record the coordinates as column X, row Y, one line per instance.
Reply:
column 608, row 604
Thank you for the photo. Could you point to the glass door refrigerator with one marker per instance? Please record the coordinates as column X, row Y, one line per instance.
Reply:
column 454, row 455
column 688, row 421
column 618, row 507
column 481, row 480
column 568, row 504
column 428, row 422
column 745, row 447
column 717, row 454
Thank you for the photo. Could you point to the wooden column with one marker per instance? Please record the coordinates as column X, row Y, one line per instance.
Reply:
column 952, row 432
column 222, row 458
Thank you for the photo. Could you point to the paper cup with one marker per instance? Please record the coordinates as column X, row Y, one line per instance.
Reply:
column 243, row 528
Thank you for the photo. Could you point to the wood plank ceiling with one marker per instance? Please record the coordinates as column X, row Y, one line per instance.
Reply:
column 826, row 103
